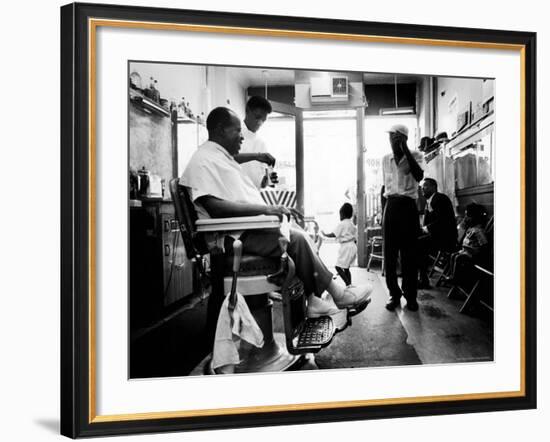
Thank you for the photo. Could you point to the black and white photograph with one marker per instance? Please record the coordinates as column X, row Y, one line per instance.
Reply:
column 269, row 221
column 272, row 221
column 291, row 219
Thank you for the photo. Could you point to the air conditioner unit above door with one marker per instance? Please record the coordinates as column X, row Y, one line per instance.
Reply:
column 329, row 89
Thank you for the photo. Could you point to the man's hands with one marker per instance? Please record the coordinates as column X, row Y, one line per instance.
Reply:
column 266, row 158
column 414, row 167
column 278, row 211
column 273, row 179
column 281, row 211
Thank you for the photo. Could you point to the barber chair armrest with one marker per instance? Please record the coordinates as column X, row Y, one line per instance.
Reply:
column 238, row 223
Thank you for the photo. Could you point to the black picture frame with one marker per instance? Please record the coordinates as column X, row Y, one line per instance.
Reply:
column 77, row 405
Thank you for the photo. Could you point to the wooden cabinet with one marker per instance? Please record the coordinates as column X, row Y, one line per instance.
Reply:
column 160, row 273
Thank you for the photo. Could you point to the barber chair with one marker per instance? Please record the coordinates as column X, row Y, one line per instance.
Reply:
column 257, row 277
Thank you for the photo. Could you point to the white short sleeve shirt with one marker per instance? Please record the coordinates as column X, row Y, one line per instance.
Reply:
column 345, row 231
column 398, row 179
column 253, row 143
column 213, row 171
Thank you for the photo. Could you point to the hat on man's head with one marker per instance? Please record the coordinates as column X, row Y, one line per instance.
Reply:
column 425, row 143
column 441, row 137
column 400, row 129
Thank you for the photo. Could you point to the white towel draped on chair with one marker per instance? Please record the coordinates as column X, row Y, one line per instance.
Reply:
column 232, row 327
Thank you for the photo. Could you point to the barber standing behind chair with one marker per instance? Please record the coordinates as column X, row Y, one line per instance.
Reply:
column 402, row 171
column 439, row 230
column 253, row 146
column 219, row 189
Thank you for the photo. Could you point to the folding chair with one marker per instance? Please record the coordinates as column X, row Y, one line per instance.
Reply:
column 481, row 273
column 376, row 252
column 473, row 294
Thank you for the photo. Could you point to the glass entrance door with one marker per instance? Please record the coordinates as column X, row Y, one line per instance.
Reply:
column 283, row 135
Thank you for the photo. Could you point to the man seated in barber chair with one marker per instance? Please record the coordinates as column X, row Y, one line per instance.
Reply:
column 220, row 189
column 439, row 228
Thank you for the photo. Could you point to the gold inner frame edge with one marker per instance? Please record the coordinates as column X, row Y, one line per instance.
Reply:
column 92, row 27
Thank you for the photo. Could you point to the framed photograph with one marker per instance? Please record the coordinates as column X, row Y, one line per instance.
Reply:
column 273, row 220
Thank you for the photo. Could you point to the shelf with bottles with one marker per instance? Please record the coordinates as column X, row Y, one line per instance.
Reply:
column 148, row 98
column 138, row 98
column 483, row 122
column 186, row 115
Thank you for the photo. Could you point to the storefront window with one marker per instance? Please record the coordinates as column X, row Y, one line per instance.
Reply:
column 330, row 156
column 279, row 134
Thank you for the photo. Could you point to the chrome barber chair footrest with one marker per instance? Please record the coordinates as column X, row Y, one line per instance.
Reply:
column 316, row 332
column 303, row 334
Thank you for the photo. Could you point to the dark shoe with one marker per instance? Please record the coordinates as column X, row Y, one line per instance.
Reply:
column 412, row 305
column 393, row 303
column 356, row 310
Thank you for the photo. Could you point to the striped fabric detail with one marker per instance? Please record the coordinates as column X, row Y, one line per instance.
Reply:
column 285, row 198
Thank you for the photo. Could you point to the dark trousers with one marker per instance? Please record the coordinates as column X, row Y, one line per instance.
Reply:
column 400, row 230
column 309, row 267
column 345, row 274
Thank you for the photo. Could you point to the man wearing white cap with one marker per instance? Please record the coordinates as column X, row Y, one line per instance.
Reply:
column 402, row 171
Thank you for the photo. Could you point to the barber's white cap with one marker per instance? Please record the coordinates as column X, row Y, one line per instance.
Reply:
column 399, row 128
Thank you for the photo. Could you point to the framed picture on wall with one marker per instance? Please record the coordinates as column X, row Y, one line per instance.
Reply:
column 336, row 147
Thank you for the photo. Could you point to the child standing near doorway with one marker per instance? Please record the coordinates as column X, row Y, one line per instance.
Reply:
column 346, row 234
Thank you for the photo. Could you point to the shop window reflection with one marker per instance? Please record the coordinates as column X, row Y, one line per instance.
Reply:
column 474, row 165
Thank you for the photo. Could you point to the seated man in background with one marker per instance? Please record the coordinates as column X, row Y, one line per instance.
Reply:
column 439, row 228
column 219, row 188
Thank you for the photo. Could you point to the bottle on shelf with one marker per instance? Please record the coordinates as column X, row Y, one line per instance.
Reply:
column 156, row 93
column 148, row 92
column 144, row 181
column 182, row 108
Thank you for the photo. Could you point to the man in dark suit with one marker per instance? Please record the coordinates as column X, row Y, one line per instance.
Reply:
column 439, row 228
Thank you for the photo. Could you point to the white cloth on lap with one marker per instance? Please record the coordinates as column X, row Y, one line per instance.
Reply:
column 228, row 337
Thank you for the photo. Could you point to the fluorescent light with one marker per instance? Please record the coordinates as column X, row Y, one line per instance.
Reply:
column 336, row 113
column 397, row 110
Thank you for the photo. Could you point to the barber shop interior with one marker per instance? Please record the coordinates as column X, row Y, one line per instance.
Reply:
column 285, row 220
